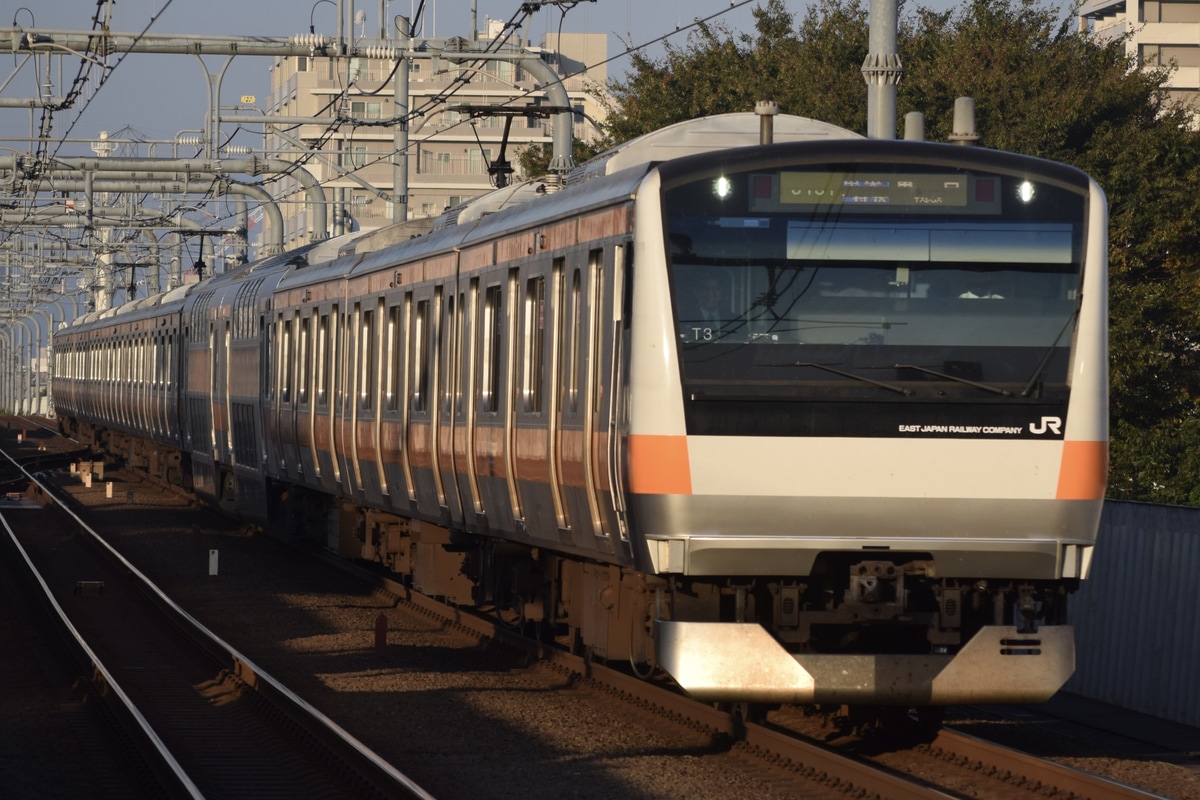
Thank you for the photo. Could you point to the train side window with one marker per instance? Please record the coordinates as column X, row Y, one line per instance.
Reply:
column 285, row 360
column 420, row 357
column 574, row 328
column 446, row 350
column 305, row 345
column 322, row 360
column 391, row 351
column 490, row 350
column 462, row 358
column 366, row 358
column 532, row 363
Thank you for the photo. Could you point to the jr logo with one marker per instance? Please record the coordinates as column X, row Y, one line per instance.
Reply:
column 1048, row 424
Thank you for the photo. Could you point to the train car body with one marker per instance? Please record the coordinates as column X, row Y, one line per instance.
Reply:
column 816, row 421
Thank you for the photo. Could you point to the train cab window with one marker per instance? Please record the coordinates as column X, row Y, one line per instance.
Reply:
column 876, row 282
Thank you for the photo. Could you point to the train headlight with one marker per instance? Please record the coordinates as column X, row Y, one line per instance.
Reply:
column 1025, row 192
column 722, row 187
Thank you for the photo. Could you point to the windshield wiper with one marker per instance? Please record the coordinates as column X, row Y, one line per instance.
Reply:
column 844, row 374
column 1041, row 367
column 947, row 376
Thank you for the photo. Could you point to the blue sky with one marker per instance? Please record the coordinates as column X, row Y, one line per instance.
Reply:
column 161, row 96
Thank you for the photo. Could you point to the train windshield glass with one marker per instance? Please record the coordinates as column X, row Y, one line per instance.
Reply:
column 874, row 282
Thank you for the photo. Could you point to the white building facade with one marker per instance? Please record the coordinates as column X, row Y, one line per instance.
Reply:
column 1161, row 33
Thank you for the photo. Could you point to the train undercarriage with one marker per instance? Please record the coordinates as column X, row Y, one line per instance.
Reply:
column 860, row 631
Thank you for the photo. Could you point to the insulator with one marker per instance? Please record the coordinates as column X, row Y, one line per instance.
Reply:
column 317, row 40
column 188, row 140
column 380, row 51
column 235, row 150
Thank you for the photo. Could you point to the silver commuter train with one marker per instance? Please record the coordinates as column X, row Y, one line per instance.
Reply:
column 817, row 421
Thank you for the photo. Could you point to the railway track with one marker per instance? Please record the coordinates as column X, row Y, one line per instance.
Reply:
column 786, row 752
column 948, row 764
column 211, row 723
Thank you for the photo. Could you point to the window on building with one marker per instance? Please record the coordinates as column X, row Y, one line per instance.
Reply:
column 352, row 156
column 433, row 163
column 478, row 160
column 362, row 109
column 1163, row 55
column 1177, row 11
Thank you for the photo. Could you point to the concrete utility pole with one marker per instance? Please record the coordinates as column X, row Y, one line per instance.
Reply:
column 882, row 69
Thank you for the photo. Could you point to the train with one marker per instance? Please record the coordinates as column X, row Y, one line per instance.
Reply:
column 789, row 415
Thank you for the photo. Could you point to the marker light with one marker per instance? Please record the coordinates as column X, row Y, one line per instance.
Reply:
column 722, row 187
column 1025, row 192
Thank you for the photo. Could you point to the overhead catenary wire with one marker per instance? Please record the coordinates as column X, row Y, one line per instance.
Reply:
column 339, row 122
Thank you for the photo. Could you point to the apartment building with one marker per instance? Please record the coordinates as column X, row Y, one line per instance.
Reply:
column 451, row 141
column 1161, row 33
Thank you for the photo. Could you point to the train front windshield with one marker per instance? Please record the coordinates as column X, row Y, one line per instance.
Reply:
column 800, row 291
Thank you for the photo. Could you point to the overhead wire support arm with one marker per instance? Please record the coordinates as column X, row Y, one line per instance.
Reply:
column 499, row 168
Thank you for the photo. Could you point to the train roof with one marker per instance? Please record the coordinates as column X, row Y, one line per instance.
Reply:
column 704, row 135
column 529, row 202
column 510, row 208
column 687, row 138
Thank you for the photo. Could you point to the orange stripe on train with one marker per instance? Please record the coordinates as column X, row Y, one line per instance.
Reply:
column 659, row 465
column 1084, row 471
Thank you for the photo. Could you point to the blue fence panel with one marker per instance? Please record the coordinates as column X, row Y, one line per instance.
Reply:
column 1137, row 630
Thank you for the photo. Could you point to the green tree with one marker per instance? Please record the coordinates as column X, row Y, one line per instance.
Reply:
column 534, row 159
column 1042, row 89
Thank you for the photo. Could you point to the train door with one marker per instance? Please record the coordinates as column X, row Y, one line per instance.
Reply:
column 227, row 451
column 421, row 425
column 514, row 325
column 555, row 336
column 465, row 407
column 449, row 358
column 287, row 397
column 611, row 371
column 317, row 431
column 371, row 406
column 305, row 345
column 395, row 474
column 360, row 334
column 576, row 453
column 329, row 437
column 139, row 418
column 218, row 331
column 146, row 401
column 536, row 403
column 266, row 381
column 489, row 411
